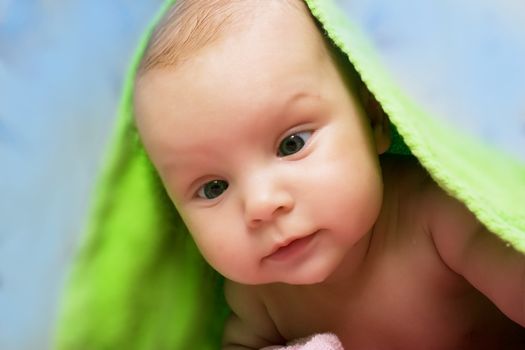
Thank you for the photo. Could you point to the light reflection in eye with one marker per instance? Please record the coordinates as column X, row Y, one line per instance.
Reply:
column 293, row 143
column 212, row 189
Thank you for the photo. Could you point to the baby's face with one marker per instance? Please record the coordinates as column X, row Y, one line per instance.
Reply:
column 265, row 153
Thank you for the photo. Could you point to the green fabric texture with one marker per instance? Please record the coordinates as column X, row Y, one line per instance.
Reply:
column 138, row 281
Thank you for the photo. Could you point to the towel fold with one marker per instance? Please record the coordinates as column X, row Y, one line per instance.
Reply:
column 323, row 341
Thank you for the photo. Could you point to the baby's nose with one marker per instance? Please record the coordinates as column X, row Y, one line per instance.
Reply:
column 265, row 203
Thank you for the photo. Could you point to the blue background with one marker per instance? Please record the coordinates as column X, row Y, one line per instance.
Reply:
column 61, row 70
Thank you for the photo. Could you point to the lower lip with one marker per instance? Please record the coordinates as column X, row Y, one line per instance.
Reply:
column 293, row 249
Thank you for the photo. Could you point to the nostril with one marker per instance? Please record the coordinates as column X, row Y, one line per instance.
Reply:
column 255, row 223
column 266, row 207
column 280, row 209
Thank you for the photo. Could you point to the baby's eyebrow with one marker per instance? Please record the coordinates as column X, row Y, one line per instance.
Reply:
column 280, row 112
column 183, row 165
column 297, row 97
column 180, row 176
column 191, row 158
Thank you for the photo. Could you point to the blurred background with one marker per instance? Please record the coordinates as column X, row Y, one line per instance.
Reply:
column 62, row 64
column 463, row 60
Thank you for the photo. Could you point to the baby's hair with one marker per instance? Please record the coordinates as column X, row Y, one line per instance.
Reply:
column 190, row 25
column 187, row 26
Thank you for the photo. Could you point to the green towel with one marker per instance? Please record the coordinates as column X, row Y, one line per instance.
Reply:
column 138, row 281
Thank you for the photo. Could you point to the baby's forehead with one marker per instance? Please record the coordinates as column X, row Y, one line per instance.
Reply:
column 191, row 25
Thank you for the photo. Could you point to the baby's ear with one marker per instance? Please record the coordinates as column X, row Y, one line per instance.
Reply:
column 378, row 121
column 381, row 133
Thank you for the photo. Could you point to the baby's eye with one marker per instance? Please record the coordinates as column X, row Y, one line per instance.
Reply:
column 212, row 189
column 293, row 143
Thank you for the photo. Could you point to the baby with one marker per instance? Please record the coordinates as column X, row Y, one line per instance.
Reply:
column 254, row 124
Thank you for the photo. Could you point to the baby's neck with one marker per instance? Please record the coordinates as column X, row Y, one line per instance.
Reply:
column 349, row 272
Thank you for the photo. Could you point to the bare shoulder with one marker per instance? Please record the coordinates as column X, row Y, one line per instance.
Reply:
column 447, row 221
column 451, row 225
column 245, row 301
column 469, row 249
column 249, row 325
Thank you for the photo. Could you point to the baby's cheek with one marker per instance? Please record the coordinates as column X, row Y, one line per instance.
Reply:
column 220, row 254
column 229, row 266
column 225, row 246
column 235, row 265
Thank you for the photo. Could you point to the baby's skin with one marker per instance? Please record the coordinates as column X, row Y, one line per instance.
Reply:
column 274, row 166
column 401, row 296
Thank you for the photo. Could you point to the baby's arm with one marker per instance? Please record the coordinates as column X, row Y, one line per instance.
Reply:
column 467, row 247
column 249, row 325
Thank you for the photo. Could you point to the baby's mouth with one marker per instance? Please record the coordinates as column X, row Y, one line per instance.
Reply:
column 290, row 249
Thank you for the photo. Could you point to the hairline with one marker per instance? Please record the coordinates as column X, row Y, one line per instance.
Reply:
column 190, row 26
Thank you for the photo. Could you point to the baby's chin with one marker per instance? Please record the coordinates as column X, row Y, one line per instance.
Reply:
column 298, row 281
column 310, row 273
column 309, row 277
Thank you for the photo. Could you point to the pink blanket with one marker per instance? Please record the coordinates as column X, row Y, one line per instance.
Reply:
column 324, row 341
